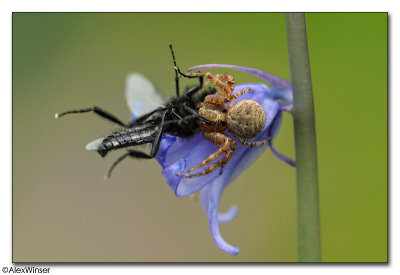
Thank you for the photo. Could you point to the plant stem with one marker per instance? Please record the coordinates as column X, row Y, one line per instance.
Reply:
column 309, row 246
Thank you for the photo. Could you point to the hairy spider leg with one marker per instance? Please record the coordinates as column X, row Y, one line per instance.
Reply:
column 235, row 96
column 252, row 143
column 220, row 163
column 98, row 111
column 226, row 88
column 225, row 145
column 217, row 78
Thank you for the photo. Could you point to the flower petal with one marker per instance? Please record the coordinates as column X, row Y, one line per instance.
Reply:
column 189, row 151
column 229, row 215
column 214, row 193
column 222, row 217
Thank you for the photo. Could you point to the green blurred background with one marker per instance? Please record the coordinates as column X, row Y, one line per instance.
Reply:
column 63, row 210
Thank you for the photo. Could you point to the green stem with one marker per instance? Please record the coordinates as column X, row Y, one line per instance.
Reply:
column 309, row 246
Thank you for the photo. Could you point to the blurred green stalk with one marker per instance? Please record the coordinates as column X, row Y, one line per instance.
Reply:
column 309, row 246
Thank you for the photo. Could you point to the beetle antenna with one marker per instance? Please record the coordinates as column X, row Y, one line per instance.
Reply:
column 175, row 69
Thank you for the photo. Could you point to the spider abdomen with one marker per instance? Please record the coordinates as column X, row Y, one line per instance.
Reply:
column 246, row 119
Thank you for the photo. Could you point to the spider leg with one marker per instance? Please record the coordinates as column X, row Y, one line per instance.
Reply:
column 224, row 144
column 220, row 163
column 209, row 159
column 225, row 93
column 216, row 99
column 185, row 75
column 236, row 95
column 253, row 143
column 230, row 81
column 98, row 111
column 227, row 88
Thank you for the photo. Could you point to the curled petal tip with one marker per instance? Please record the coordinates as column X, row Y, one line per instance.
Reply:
column 287, row 108
column 233, row 251
column 229, row 215
column 224, row 246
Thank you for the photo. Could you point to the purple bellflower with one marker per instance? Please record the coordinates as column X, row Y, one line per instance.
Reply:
column 177, row 154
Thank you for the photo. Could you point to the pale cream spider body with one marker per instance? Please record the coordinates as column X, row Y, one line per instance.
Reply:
column 245, row 119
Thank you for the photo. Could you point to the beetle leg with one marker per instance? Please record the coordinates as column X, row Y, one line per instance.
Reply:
column 98, row 111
